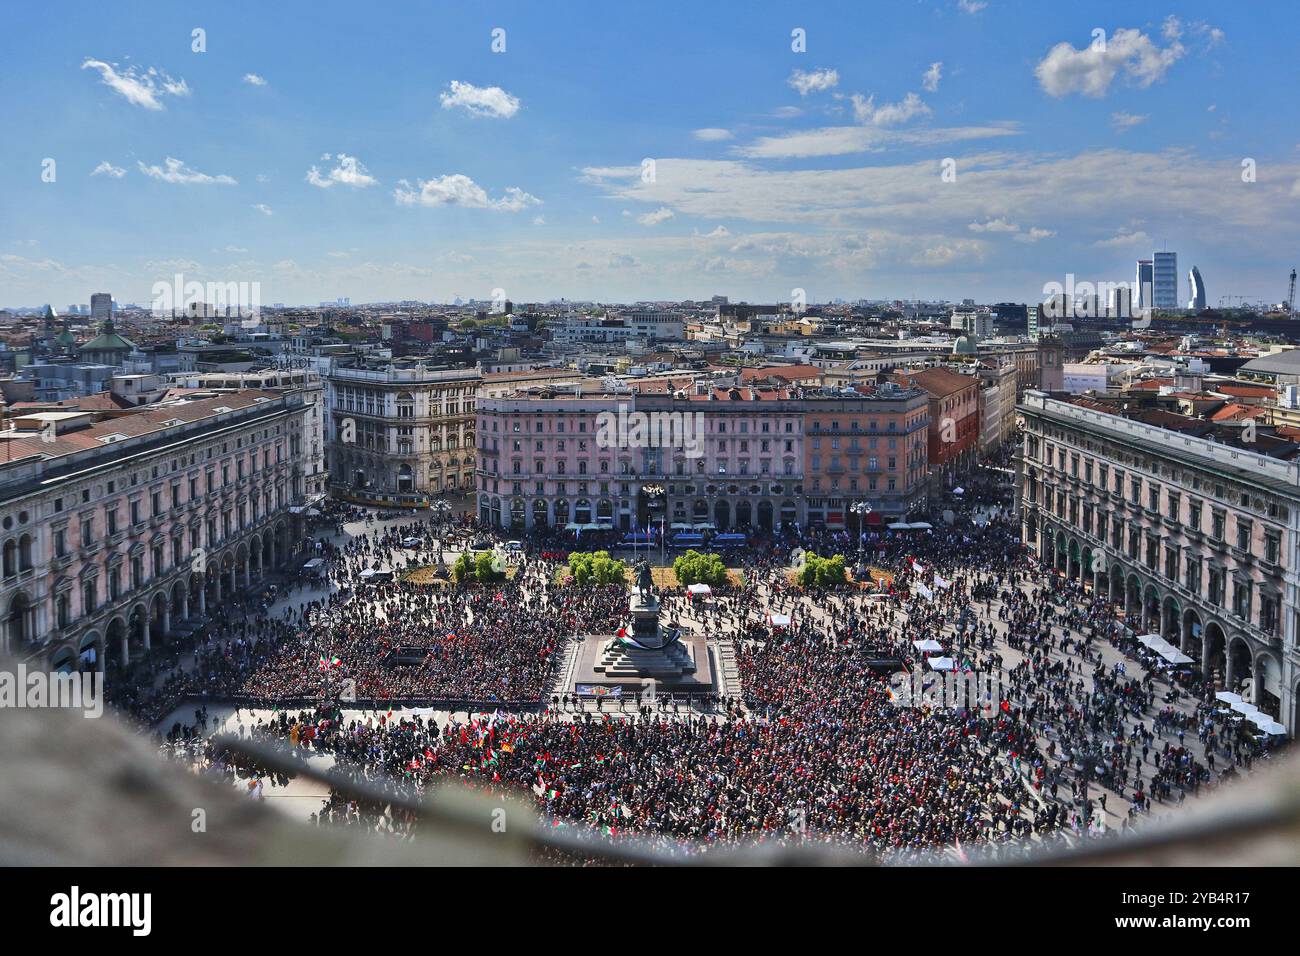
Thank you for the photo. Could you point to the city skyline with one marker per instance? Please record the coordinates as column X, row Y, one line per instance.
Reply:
column 405, row 168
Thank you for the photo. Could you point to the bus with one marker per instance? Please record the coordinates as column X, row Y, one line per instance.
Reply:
column 731, row 540
column 633, row 539
column 687, row 539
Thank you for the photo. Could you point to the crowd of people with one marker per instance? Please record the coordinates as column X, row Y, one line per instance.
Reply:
column 817, row 747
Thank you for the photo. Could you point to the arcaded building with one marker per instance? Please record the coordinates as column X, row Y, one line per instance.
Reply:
column 722, row 457
column 1195, row 539
column 116, row 533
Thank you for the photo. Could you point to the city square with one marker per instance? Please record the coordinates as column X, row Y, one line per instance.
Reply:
column 677, row 439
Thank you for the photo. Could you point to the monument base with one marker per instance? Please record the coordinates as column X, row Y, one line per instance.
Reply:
column 683, row 667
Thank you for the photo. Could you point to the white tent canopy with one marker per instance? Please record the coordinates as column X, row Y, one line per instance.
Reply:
column 942, row 664
column 929, row 644
column 1160, row 646
column 699, row 590
column 779, row 620
column 1266, row 723
column 1227, row 697
column 1244, row 708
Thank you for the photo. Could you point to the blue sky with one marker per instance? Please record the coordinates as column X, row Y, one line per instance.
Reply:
column 456, row 170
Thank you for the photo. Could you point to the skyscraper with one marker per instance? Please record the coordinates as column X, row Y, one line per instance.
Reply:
column 101, row 306
column 1164, row 287
column 1142, row 290
column 1197, row 286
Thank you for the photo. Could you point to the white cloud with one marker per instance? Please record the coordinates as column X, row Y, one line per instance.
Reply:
column 140, row 87
column 814, row 81
column 480, row 100
column 1173, row 30
column 866, row 112
column 719, row 232
column 338, row 254
column 234, row 249
column 539, row 220
column 1034, row 234
column 263, row 208
column 930, row 79
column 712, row 134
column 175, row 171
column 1178, row 190
column 108, row 169
column 1091, row 71
column 662, row 214
column 949, row 251
column 971, row 6
column 349, row 172
column 1126, row 121
column 842, row 140
column 1124, row 238
column 252, row 79
column 1001, row 225
column 993, row 225
column 457, row 189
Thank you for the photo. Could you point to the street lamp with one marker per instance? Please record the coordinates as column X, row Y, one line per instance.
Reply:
column 861, row 509
column 653, row 495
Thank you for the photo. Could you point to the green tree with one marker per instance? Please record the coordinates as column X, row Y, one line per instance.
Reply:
column 476, row 568
column 819, row 572
column 463, row 568
column 596, row 567
column 484, row 568
column 693, row 567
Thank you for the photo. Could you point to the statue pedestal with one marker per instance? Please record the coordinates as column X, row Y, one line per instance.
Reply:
column 648, row 653
column 644, row 628
column 684, row 666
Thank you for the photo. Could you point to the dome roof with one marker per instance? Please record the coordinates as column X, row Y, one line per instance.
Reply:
column 108, row 341
column 964, row 346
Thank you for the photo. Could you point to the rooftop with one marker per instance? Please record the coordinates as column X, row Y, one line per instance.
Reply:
column 153, row 418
